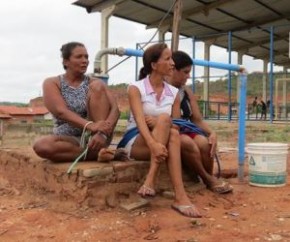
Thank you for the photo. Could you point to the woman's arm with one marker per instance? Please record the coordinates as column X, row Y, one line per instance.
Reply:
column 176, row 108
column 137, row 111
column 197, row 119
column 55, row 103
column 196, row 115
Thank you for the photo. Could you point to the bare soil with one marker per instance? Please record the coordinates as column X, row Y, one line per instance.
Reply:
column 250, row 213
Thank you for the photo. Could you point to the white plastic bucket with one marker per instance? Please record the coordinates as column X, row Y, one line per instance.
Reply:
column 267, row 164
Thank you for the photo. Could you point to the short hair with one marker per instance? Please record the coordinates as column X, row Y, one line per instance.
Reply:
column 181, row 59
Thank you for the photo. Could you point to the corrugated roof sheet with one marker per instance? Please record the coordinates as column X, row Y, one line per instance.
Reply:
column 249, row 21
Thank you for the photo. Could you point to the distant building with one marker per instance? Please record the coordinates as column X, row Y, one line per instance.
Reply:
column 14, row 114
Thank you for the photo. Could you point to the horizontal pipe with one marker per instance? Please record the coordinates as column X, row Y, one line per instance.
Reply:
column 217, row 65
column 139, row 53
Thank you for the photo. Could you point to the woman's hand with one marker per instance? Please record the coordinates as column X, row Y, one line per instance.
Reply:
column 103, row 126
column 159, row 152
column 212, row 140
column 97, row 142
column 150, row 121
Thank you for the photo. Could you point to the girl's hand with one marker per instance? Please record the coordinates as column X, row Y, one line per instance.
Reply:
column 150, row 121
column 159, row 152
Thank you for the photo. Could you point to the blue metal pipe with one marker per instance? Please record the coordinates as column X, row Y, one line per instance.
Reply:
column 230, row 77
column 218, row 65
column 193, row 66
column 132, row 52
column 242, row 122
column 271, row 73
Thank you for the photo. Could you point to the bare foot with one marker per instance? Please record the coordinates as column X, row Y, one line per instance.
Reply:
column 106, row 155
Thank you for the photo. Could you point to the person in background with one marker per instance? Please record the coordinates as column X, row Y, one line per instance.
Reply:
column 197, row 151
column 153, row 102
column 78, row 103
column 255, row 106
column 263, row 109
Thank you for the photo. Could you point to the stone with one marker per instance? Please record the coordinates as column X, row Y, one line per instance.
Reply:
column 134, row 205
column 104, row 171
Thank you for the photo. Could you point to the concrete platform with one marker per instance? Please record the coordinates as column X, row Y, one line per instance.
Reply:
column 89, row 184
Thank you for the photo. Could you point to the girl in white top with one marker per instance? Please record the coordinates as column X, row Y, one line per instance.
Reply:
column 153, row 102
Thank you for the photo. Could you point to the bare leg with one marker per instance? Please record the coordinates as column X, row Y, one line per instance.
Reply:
column 98, row 102
column 204, row 147
column 98, row 109
column 192, row 157
column 139, row 152
column 57, row 148
column 175, row 172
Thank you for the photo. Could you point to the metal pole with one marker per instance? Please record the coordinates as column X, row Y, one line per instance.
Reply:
column 193, row 66
column 242, row 122
column 271, row 72
column 230, row 77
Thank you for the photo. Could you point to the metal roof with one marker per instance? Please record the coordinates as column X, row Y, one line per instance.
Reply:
column 249, row 21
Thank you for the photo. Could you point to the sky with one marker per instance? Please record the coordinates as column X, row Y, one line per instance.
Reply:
column 32, row 32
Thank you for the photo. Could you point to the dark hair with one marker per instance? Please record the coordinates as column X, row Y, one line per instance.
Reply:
column 66, row 50
column 151, row 54
column 181, row 59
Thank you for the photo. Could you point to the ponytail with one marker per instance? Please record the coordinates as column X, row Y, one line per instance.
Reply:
column 142, row 73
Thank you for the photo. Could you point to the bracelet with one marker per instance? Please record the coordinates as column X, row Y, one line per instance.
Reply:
column 86, row 125
column 102, row 134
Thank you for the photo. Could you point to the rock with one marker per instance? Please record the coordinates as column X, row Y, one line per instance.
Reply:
column 134, row 205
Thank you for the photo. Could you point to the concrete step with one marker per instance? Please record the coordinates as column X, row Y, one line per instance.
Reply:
column 90, row 183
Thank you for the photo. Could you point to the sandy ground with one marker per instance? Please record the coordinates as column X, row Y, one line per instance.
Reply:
column 250, row 213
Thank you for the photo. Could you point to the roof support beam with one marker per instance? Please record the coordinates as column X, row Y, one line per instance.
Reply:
column 176, row 25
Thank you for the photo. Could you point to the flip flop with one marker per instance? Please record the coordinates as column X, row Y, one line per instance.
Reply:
column 146, row 192
column 221, row 188
column 183, row 209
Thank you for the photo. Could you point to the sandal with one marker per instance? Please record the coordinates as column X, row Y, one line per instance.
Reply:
column 222, row 187
column 187, row 210
column 146, row 192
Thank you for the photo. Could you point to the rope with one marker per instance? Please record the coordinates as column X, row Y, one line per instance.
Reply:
column 85, row 138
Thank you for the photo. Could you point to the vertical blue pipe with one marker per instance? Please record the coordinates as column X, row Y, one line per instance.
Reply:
column 193, row 66
column 242, row 122
column 230, row 77
column 136, row 65
column 271, row 73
